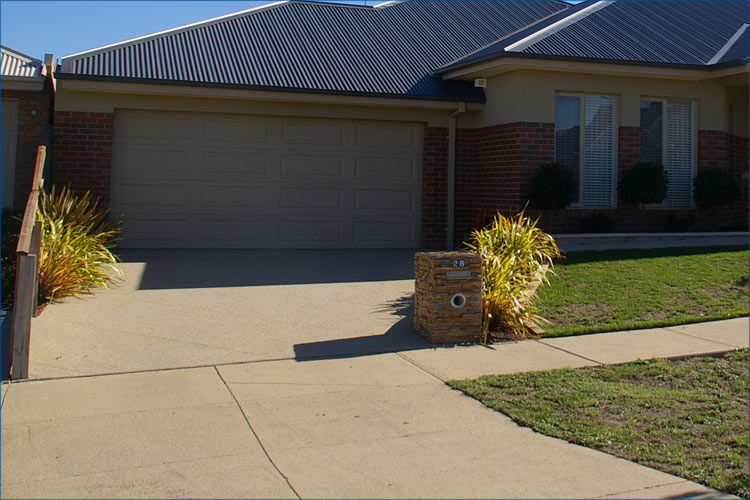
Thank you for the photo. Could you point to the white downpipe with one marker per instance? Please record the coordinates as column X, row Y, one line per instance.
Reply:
column 451, row 201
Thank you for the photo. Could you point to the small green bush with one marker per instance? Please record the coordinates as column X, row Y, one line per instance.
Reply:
column 11, row 226
column 715, row 187
column 516, row 256
column 597, row 223
column 76, row 240
column 643, row 184
column 553, row 186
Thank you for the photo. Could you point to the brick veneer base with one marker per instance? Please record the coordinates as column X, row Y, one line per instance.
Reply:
column 434, row 187
column 83, row 152
column 33, row 120
column 435, row 318
column 494, row 165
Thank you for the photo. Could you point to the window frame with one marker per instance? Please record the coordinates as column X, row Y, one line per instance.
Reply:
column 582, row 146
column 665, row 144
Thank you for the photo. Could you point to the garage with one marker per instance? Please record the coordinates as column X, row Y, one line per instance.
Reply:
column 204, row 180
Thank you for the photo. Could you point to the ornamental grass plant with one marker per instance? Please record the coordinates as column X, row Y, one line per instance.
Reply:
column 77, row 239
column 516, row 256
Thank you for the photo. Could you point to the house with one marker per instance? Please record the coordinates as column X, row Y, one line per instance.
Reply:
column 313, row 125
column 27, row 99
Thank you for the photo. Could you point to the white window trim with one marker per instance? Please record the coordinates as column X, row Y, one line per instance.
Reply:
column 582, row 146
column 664, row 144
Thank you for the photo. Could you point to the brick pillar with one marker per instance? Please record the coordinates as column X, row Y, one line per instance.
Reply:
column 434, row 187
column 83, row 152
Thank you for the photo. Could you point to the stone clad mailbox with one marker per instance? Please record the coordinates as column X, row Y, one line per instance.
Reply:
column 448, row 296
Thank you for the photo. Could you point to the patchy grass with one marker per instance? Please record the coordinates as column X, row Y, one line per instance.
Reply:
column 631, row 289
column 688, row 417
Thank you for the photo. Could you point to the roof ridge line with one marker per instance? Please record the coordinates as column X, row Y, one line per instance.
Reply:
column 725, row 48
column 553, row 28
column 494, row 42
column 186, row 27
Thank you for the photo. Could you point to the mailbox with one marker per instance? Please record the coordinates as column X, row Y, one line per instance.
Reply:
column 448, row 296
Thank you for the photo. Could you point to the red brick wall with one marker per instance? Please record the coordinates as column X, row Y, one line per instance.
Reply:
column 738, row 156
column 30, row 129
column 434, row 187
column 494, row 164
column 83, row 152
column 493, row 168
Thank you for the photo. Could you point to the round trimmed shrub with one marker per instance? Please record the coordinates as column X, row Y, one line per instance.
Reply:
column 552, row 187
column 643, row 184
column 715, row 187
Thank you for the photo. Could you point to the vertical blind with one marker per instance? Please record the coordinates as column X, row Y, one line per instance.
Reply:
column 676, row 121
column 599, row 147
column 568, row 134
column 651, row 131
column 594, row 169
column 679, row 154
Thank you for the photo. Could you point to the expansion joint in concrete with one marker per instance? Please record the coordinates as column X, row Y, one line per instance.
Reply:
column 255, row 434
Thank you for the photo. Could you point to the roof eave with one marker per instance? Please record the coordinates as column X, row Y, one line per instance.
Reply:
column 280, row 90
column 453, row 72
column 31, row 83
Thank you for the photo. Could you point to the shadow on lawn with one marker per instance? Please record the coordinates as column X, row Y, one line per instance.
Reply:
column 576, row 257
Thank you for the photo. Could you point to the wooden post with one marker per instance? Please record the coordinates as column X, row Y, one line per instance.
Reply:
column 23, row 309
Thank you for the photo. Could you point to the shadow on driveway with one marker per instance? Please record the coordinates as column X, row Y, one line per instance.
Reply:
column 172, row 269
column 400, row 337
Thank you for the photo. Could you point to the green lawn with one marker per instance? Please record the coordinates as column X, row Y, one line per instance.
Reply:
column 630, row 289
column 688, row 418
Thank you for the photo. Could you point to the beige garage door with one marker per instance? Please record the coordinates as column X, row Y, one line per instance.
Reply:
column 198, row 180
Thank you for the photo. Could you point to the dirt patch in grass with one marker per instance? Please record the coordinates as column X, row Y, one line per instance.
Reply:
column 688, row 417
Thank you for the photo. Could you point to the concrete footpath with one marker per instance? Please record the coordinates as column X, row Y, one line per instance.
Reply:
column 374, row 426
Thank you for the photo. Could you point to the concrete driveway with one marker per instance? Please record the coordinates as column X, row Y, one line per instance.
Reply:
column 181, row 308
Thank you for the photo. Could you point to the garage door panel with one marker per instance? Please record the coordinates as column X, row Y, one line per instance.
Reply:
column 154, row 163
column 163, row 197
column 151, row 128
column 233, row 231
column 234, row 165
column 315, row 166
column 384, row 199
column 233, row 197
column 156, row 233
column 237, row 129
column 310, row 231
column 390, row 135
column 385, row 169
column 312, row 133
column 241, row 181
column 311, row 198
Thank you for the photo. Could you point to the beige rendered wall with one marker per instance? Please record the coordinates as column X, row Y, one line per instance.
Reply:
column 529, row 95
column 737, row 97
column 243, row 102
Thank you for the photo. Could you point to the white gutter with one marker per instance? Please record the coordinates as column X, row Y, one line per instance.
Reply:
column 717, row 57
column 451, row 202
column 555, row 27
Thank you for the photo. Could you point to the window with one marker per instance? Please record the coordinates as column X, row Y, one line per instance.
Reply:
column 667, row 138
column 584, row 142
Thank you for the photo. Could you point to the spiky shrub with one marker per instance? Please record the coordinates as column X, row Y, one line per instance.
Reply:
column 516, row 256
column 77, row 237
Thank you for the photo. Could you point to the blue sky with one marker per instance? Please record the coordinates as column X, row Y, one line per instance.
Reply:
column 62, row 27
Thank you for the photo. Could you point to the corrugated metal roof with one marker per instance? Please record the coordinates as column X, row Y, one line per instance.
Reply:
column 310, row 46
column 738, row 51
column 659, row 32
column 18, row 65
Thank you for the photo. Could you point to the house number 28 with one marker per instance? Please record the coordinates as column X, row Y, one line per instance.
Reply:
column 459, row 263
